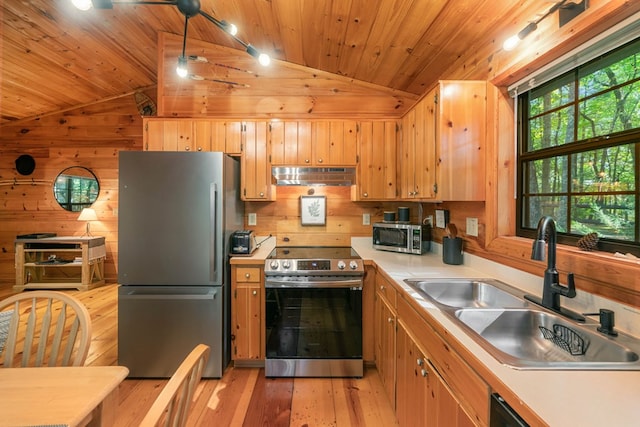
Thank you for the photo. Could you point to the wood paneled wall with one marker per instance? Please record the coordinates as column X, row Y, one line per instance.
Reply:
column 91, row 137
column 281, row 218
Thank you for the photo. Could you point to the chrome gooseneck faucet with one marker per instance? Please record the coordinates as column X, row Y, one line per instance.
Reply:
column 551, row 289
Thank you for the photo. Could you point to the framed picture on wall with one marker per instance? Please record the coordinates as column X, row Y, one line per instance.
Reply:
column 313, row 210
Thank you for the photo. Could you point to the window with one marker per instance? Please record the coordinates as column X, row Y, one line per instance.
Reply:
column 579, row 140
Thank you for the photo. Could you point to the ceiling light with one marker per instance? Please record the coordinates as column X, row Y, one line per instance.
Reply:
column 181, row 69
column 82, row 4
column 575, row 10
column 188, row 8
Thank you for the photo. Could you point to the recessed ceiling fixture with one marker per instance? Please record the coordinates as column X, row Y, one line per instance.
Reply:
column 568, row 11
column 188, row 8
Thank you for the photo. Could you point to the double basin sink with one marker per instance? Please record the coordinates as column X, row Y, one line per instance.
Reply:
column 522, row 335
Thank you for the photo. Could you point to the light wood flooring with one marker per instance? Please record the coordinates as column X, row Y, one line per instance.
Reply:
column 243, row 396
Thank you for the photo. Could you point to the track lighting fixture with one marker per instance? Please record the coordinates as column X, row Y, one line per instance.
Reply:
column 568, row 11
column 188, row 8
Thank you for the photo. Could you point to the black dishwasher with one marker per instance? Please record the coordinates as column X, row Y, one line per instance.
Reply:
column 502, row 415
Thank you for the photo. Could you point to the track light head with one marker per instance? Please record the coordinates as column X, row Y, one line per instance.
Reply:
column 182, row 69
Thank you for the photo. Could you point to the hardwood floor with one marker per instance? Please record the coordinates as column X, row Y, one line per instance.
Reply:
column 243, row 396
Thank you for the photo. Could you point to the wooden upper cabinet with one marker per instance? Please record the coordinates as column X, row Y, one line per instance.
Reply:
column 417, row 153
column 334, row 143
column 321, row 143
column 463, row 125
column 168, row 135
column 192, row 135
column 256, row 167
column 377, row 151
column 290, row 143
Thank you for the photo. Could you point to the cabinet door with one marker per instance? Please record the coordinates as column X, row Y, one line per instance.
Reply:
column 218, row 136
column 412, row 402
column 290, row 143
column 202, row 136
column 169, row 135
column 256, row 168
column 377, row 145
column 246, row 313
column 233, row 137
column 406, row 160
column 424, row 152
column 334, row 143
column 385, row 346
column 461, row 130
column 443, row 408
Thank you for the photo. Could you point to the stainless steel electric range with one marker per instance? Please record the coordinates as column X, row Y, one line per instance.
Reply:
column 313, row 311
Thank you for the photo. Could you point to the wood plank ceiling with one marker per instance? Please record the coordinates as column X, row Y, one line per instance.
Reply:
column 55, row 57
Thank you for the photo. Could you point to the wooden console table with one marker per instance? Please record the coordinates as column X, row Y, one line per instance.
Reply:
column 60, row 262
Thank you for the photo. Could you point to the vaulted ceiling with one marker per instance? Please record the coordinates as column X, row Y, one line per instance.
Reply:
column 55, row 57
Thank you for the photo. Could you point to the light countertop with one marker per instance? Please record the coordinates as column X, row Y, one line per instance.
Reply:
column 561, row 398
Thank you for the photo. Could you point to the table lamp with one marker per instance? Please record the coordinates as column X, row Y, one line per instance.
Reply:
column 88, row 215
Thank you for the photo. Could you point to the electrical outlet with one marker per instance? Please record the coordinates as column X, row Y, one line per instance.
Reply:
column 366, row 219
column 253, row 219
column 430, row 220
column 472, row 227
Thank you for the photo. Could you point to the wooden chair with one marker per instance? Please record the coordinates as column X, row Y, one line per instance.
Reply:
column 171, row 407
column 45, row 328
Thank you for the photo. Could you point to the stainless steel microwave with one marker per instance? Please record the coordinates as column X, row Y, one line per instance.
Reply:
column 402, row 237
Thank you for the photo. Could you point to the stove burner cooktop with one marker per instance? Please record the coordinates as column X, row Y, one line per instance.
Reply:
column 313, row 260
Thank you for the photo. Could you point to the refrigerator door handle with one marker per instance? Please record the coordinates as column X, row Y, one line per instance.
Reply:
column 143, row 296
column 213, row 212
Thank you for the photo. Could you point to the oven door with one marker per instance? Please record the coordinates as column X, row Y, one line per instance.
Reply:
column 313, row 329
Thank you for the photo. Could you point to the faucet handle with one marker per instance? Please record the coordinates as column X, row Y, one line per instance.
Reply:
column 568, row 291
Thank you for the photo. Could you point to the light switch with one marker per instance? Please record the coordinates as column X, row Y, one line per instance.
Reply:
column 472, row 227
column 442, row 218
column 253, row 219
column 366, row 219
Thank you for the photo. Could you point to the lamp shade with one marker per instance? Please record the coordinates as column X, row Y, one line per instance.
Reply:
column 88, row 214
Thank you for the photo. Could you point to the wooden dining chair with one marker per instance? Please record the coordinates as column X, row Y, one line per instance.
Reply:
column 44, row 328
column 171, row 407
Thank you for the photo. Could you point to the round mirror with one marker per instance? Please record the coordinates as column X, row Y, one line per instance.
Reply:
column 76, row 188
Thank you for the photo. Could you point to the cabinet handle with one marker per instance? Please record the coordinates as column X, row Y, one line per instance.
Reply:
column 261, row 194
column 255, row 292
column 187, row 148
column 319, row 160
column 247, row 275
column 419, row 362
column 306, row 160
column 424, row 372
column 365, row 195
column 390, row 320
column 199, row 148
column 382, row 287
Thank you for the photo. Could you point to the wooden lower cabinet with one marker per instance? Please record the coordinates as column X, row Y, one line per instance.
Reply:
column 247, row 313
column 385, row 335
column 427, row 382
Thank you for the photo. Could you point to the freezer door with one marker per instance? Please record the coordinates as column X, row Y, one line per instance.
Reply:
column 170, row 219
column 159, row 326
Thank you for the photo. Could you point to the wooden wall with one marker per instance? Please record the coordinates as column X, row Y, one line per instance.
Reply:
column 90, row 136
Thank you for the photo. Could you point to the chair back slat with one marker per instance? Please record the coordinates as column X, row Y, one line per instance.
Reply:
column 171, row 407
column 46, row 328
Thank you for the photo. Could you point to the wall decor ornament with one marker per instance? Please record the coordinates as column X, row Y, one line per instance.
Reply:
column 313, row 210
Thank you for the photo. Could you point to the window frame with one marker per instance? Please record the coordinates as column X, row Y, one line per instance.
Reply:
column 569, row 149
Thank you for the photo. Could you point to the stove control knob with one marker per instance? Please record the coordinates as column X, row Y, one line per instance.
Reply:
column 286, row 265
column 341, row 265
column 274, row 265
column 353, row 265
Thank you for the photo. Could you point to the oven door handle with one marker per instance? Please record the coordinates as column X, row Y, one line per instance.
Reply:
column 349, row 283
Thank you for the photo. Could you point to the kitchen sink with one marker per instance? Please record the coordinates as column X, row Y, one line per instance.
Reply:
column 477, row 293
column 531, row 338
column 522, row 335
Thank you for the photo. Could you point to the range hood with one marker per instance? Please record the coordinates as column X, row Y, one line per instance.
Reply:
column 313, row 175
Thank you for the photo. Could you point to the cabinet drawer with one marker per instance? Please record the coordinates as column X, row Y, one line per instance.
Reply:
column 385, row 289
column 469, row 387
column 248, row 274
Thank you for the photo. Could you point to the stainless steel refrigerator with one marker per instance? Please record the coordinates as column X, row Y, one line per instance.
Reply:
column 176, row 215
